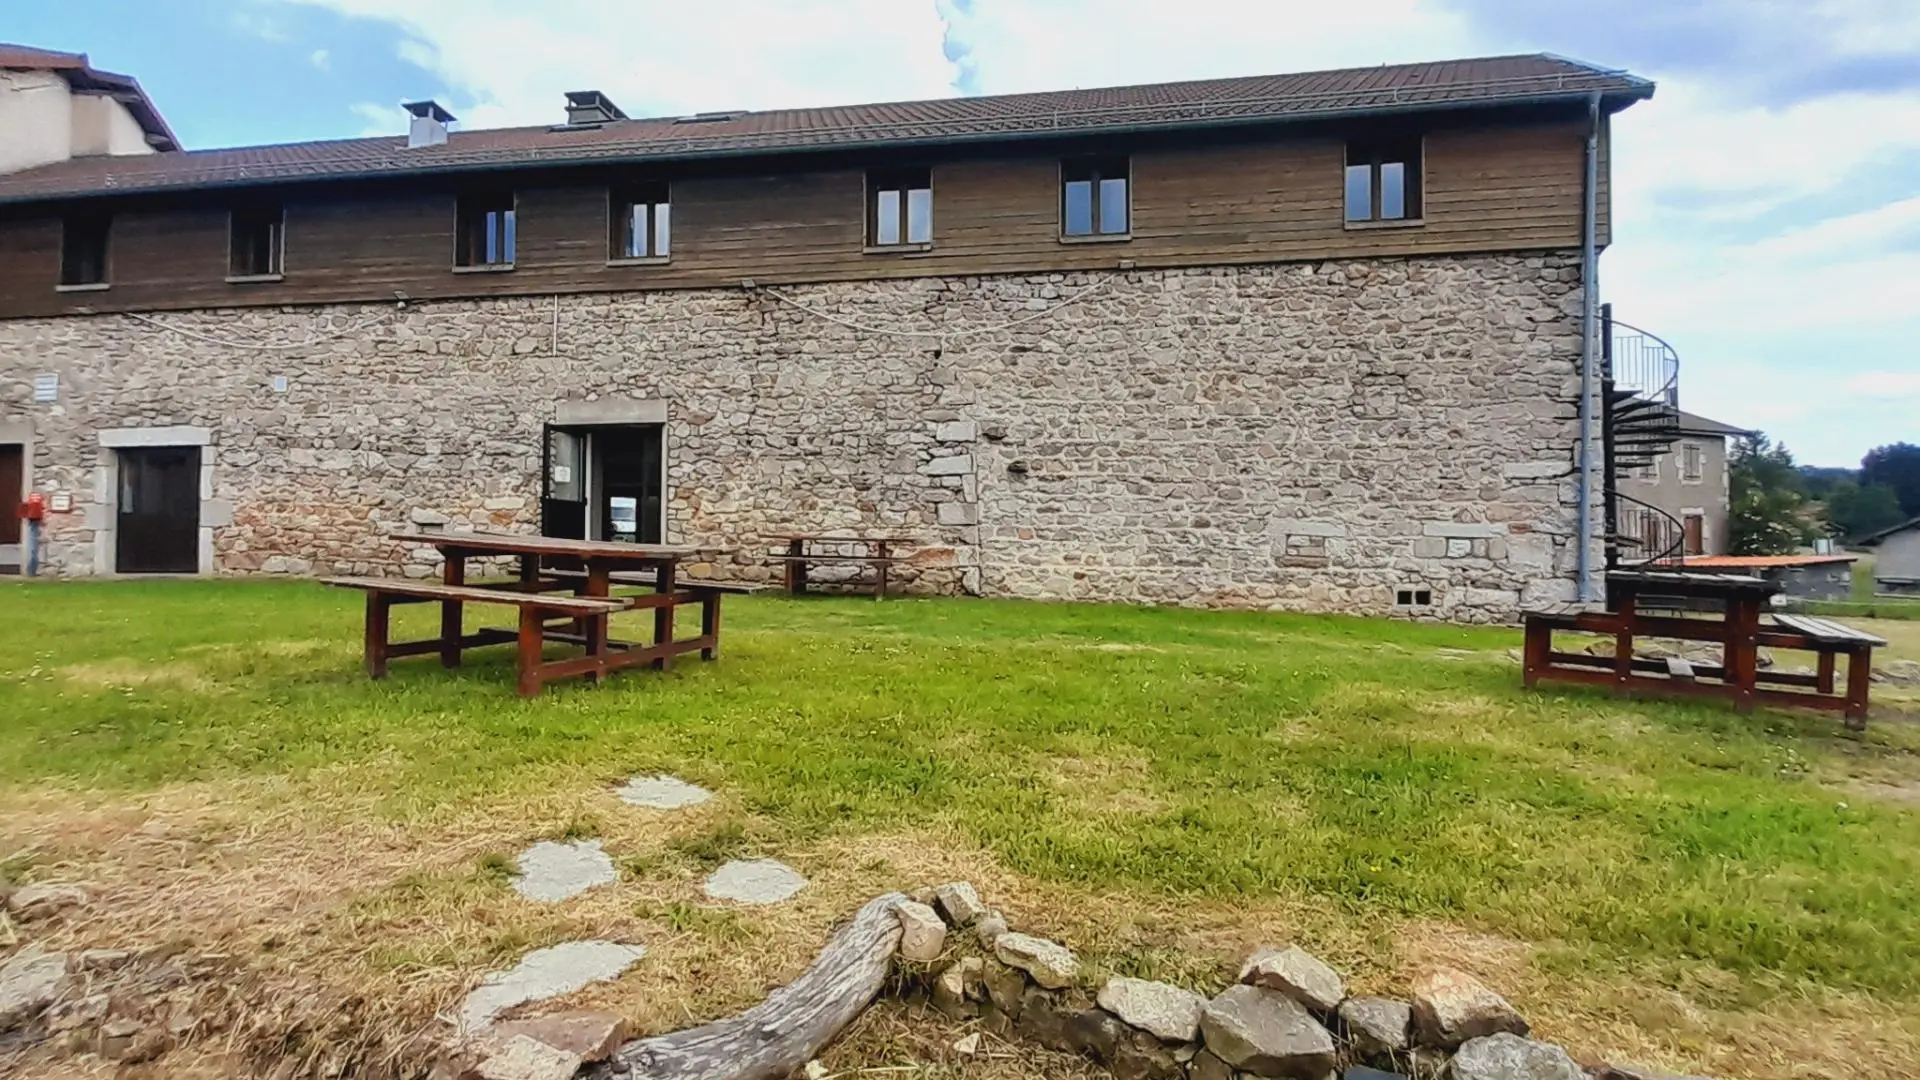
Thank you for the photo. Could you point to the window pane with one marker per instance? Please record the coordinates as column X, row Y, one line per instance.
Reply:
column 1393, row 190
column 920, row 216
column 662, row 232
column 1113, row 204
column 633, row 232
column 886, row 223
column 1359, row 192
column 506, row 247
column 1079, row 208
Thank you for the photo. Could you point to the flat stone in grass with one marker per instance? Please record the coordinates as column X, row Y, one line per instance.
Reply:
column 1450, row 1007
column 1048, row 963
column 662, row 793
column 1506, row 1056
column 1298, row 974
column 550, row 872
column 546, row 973
column 754, row 881
column 1377, row 1027
column 1161, row 1009
column 1267, row 1033
column 30, row 980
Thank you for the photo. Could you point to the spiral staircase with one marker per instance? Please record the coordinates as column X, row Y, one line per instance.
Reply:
column 1640, row 420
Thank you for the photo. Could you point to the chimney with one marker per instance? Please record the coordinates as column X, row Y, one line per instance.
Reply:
column 590, row 108
column 429, row 124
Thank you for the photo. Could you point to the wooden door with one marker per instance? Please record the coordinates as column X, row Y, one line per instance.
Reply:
column 12, row 471
column 158, row 530
column 1696, row 535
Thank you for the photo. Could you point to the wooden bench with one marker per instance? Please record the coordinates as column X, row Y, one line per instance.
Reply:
column 644, row 580
column 1741, row 681
column 877, row 553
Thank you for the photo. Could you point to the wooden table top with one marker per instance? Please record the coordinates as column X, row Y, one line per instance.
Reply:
column 522, row 544
column 1677, row 583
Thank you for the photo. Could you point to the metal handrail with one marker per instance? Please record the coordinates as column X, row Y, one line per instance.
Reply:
column 1644, row 364
column 1644, row 525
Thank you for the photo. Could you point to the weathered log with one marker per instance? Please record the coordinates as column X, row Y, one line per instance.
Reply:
column 781, row 1034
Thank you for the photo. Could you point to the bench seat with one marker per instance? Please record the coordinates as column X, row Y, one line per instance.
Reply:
column 472, row 594
column 1828, row 632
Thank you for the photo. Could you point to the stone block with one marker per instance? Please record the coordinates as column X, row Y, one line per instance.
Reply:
column 959, row 513
column 1459, row 549
column 1462, row 530
column 956, row 431
column 1298, row 527
column 1451, row 1007
column 957, row 465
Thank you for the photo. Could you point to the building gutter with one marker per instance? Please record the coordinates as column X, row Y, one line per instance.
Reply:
column 631, row 155
column 1589, row 342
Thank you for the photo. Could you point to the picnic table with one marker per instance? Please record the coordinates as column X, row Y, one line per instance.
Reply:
column 564, row 593
column 1743, row 627
column 802, row 550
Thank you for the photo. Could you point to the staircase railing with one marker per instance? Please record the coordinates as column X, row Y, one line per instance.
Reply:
column 1640, row 362
column 1645, row 535
column 1640, row 390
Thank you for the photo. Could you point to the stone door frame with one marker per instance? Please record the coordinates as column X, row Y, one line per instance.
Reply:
column 104, row 510
column 21, row 435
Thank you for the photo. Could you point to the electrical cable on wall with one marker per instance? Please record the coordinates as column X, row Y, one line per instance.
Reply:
column 939, row 335
column 259, row 346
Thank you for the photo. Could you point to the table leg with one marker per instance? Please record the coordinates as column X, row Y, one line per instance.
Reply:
column 663, row 615
column 453, row 572
column 529, row 567
column 1859, row 674
column 532, row 638
column 1741, row 653
column 1826, row 671
column 880, row 549
column 1539, row 644
column 599, row 584
column 796, row 567
column 377, row 608
column 1623, row 642
column 710, row 624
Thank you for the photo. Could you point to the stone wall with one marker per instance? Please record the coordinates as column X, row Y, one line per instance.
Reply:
column 1306, row 436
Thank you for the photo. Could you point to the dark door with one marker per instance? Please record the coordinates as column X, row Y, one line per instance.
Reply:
column 1696, row 527
column 12, row 469
column 563, row 494
column 159, row 523
column 628, row 460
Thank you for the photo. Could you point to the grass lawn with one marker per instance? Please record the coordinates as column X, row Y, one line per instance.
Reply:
column 1672, row 883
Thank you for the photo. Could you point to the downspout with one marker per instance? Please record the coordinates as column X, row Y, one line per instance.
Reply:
column 1589, row 338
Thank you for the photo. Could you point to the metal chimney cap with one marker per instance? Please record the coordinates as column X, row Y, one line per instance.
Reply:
column 429, row 110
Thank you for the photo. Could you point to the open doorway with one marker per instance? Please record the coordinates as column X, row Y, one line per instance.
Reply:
column 157, row 530
column 605, row 482
column 13, row 474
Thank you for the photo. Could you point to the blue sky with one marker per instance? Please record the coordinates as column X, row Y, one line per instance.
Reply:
column 1767, row 201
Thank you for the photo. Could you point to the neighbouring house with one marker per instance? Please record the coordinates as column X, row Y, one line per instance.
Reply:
column 1896, row 562
column 1309, row 341
column 1800, row 577
column 1687, row 481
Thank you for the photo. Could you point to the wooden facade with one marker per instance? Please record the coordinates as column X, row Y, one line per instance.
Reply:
column 1491, row 182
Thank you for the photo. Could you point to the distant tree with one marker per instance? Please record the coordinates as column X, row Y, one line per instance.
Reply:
column 1897, row 466
column 1820, row 480
column 1853, row 510
column 1769, row 511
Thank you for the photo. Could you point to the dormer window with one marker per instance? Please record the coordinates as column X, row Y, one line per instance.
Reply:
column 1094, row 199
column 642, row 223
column 256, row 243
column 83, row 251
column 484, row 232
column 1383, row 180
column 900, row 208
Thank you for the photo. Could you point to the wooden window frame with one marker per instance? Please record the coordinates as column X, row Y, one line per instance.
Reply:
column 1415, row 185
column 277, row 244
column 1693, row 453
column 620, row 201
column 901, row 180
column 104, row 222
column 1069, row 168
column 464, row 214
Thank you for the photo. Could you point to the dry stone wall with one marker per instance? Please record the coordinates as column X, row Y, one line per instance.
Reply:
column 1309, row 436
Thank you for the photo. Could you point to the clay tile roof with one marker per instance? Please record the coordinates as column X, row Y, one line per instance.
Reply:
column 26, row 57
column 1763, row 562
column 1492, row 81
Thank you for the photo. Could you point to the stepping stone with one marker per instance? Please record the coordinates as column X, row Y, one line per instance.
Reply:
column 754, row 881
column 662, row 793
column 551, row 872
column 546, row 973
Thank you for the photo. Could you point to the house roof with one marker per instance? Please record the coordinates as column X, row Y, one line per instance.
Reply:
column 1871, row 539
column 1695, row 424
column 1763, row 562
column 1402, row 88
column 82, row 75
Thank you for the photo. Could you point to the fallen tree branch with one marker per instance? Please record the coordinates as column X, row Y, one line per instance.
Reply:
column 781, row 1034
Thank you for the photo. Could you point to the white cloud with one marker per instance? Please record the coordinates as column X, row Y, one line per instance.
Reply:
column 320, row 59
column 378, row 119
column 1772, row 245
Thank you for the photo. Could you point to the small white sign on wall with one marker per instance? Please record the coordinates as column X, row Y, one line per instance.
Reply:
column 46, row 388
